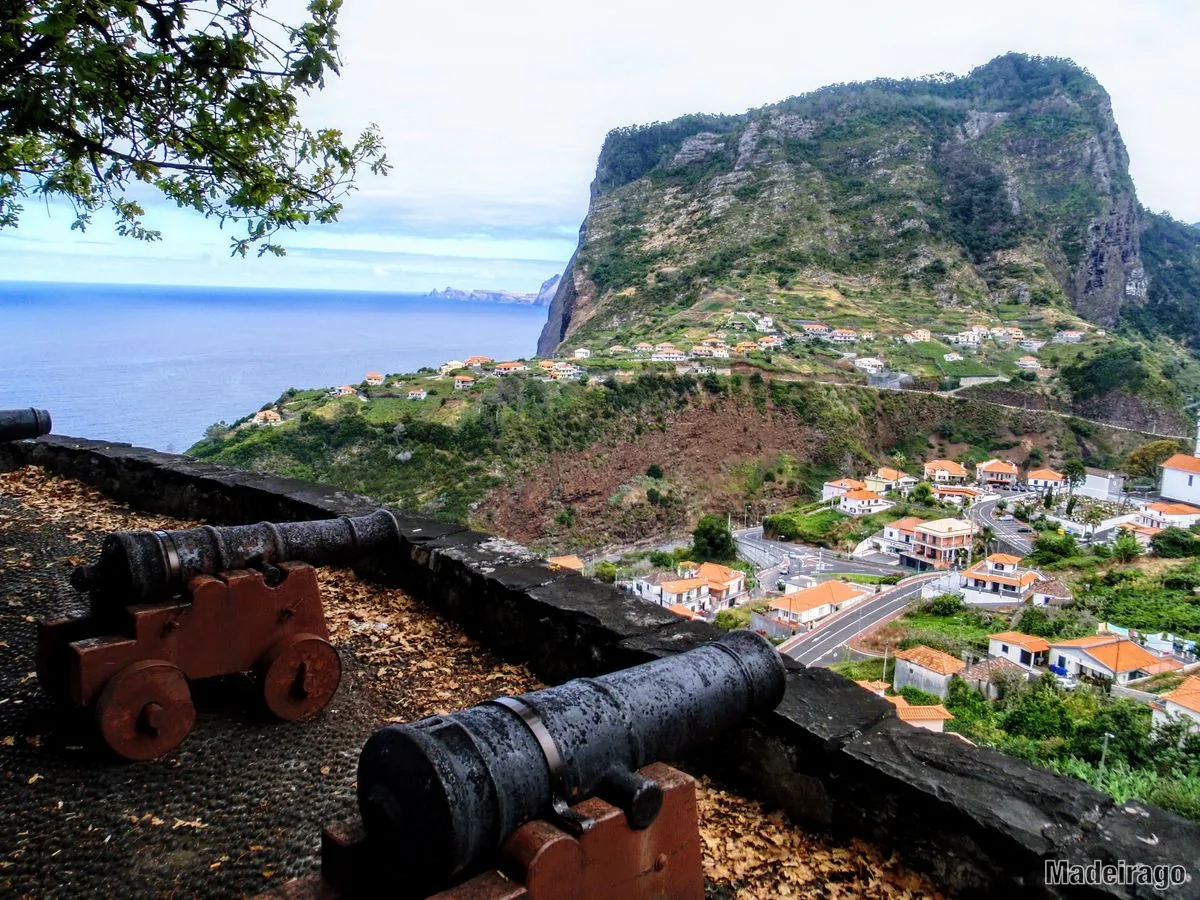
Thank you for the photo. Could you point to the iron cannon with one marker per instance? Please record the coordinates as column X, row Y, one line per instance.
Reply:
column 143, row 566
column 18, row 424
column 169, row 607
column 441, row 794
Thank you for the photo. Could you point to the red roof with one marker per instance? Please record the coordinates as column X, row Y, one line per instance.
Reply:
column 1183, row 463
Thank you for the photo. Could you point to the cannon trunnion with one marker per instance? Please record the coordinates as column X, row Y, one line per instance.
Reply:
column 166, row 608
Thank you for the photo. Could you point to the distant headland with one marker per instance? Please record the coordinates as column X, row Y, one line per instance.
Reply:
column 542, row 297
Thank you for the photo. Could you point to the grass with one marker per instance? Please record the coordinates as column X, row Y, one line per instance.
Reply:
column 858, row 578
column 866, row 669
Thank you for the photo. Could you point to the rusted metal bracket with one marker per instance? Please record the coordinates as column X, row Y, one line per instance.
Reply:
column 133, row 667
column 541, row 861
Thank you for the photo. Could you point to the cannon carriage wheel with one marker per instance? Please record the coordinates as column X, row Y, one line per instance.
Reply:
column 299, row 676
column 145, row 711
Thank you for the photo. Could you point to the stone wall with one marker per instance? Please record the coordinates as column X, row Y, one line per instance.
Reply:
column 832, row 755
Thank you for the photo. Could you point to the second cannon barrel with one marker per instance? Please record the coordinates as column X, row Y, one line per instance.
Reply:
column 446, row 791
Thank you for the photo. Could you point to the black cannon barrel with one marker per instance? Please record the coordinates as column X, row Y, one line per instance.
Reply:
column 18, row 424
column 143, row 566
column 444, row 792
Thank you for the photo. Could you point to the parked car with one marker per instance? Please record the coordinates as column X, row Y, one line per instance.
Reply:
column 1024, row 529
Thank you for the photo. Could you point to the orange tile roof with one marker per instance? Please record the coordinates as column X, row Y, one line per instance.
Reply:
column 1052, row 588
column 718, row 573
column 1175, row 509
column 1123, row 656
column 1030, row 642
column 906, row 712
column 374, row 375
column 478, row 360
column 948, row 464
column 1004, row 559
column 680, row 610
column 1044, row 475
column 955, row 489
column 463, row 378
column 825, row 593
column 1139, row 529
column 908, row 523
column 1184, row 463
column 860, row 494
column 680, row 585
column 847, row 483
column 997, row 465
column 891, row 474
column 1187, row 694
column 934, row 660
column 510, row 365
column 567, row 562
column 1085, row 642
column 1022, row 579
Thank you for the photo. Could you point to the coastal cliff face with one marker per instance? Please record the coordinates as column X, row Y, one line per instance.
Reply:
column 1007, row 186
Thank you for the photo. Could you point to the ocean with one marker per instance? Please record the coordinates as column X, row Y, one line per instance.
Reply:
column 155, row 366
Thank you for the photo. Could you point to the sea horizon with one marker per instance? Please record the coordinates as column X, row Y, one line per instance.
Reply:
column 155, row 365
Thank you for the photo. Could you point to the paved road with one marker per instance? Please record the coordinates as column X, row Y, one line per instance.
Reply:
column 805, row 560
column 824, row 646
column 984, row 513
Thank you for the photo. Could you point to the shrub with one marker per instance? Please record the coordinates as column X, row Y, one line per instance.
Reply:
column 918, row 697
column 605, row 571
column 661, row 559
column 655, row 471
column 1175, row 543
column 654, row 496
column 946, row 605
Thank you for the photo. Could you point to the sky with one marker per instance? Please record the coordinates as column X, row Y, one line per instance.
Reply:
column 494, row 113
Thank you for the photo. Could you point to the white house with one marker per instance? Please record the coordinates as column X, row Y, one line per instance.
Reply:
column 1108, row 656
column 1050, row 592
column 921, row 335
column 843, row 336
column 926, row 668
column 965, row 339
column 945, row 471
column 509, row 368
column 803, row 609
column 814, row 329
column 345, row 390
column 668, row 589
column 997, row 473
column 862, row 502
column 582, row 353
column 374, row 378
column 725, row 585
column 1044, row 480
column 463, row 382
column 958, row 494
column 1181, row 479
column 1026, row 650
column 1168, row 515
column 999, row 578
column 834, row 489
column 765, row 324
column 870, row 364
column 1184, row 702
column 887, row 479
column 1068, row 337
column 418, row 394
column 267, row 417
column 668, row 356
column 1029, row 363
column 898, row 535
column 1101, row 484
column 931, row 718
column 952, row 357
column 449, row 366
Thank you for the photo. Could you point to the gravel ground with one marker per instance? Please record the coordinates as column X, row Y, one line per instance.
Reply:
column 240, row 805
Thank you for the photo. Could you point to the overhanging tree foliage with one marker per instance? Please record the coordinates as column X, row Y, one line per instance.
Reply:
column 195, row 98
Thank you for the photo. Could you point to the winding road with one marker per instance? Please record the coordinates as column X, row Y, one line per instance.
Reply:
column 823, row 646
column 983, row 514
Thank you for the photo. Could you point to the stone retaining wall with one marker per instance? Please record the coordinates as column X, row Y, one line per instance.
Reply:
column 832, row 755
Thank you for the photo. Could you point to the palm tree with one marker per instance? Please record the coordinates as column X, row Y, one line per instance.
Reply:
column 986, row 535
column 1075, row 473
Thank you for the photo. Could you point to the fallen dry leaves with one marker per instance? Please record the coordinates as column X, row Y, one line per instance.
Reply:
column 761, row 855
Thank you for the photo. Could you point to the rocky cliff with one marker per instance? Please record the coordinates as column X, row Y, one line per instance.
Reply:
column 542, row 297
column 1006, row 186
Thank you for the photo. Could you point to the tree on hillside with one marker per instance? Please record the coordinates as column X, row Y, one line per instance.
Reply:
column 1145, row 460
column 712, row 540
column 1126, row 548
column 1175, row 543
column 1075, row 474
column 921, row 493
column 195, row 99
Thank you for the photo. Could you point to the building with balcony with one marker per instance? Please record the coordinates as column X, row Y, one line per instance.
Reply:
column 939, row 544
